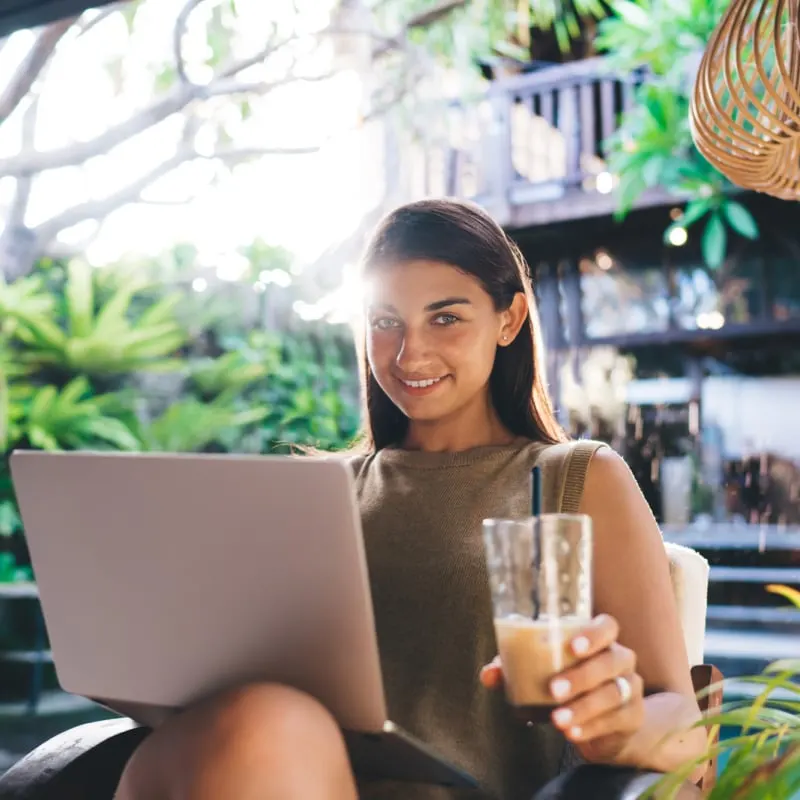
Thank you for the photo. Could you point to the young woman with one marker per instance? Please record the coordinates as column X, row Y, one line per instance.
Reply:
column 456, row 414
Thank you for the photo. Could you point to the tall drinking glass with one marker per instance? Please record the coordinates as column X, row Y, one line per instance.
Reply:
column 540, row 573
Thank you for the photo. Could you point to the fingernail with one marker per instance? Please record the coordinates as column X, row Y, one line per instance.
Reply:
column 560, row 688
column 575, row 733
column 580, row 646
column 562, row 717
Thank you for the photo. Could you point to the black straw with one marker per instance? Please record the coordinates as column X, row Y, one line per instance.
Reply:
column 536, row 492
column 536, row 510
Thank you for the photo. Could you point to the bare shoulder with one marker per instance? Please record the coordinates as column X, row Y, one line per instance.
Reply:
column 611, row 490
column 607, row 471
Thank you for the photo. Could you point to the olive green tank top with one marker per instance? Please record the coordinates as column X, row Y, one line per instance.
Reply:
column 422, row 515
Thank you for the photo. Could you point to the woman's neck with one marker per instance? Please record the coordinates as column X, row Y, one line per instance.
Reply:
column 474, row 426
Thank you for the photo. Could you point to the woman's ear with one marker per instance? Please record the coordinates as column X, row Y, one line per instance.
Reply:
column 513, row 318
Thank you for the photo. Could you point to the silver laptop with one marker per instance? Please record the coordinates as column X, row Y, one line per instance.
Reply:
column 165, row 579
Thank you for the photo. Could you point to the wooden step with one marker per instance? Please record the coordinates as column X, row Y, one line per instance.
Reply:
column 759, row 646
column 762, row 575
column 753, row 614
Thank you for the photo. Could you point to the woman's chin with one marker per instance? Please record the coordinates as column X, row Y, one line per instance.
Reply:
column 422, row 409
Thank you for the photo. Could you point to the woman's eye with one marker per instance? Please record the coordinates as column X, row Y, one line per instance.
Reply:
column 385, row 323
column 445, row 319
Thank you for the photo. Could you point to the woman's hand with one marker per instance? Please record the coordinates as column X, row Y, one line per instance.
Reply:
column 600, row 698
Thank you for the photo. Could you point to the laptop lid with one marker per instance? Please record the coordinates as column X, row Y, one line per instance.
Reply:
column 168, row 578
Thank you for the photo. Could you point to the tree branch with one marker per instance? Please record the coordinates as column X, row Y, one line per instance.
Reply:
column 100, row 208
column 77, row 153
column 28, row 71
column 237, row 154
column 100, row 16
column 232, row 86
column 433, row 15
column 22, row 189
column 178, row 33
column 422, row 20
column 172, row 103
column 183, row 94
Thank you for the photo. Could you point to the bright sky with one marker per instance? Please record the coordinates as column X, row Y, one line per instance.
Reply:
column 304, row 202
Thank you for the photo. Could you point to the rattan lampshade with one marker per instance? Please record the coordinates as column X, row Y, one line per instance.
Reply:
column 745, row 110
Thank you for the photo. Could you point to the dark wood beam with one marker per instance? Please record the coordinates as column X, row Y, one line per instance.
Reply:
column 19, row 14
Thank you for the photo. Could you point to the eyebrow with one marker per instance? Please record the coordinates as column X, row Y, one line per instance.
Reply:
column 437, row 306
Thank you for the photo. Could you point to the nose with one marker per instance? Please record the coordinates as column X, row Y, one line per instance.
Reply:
column 414, row 353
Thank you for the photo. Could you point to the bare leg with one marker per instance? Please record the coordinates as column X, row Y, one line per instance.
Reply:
column 260, row 742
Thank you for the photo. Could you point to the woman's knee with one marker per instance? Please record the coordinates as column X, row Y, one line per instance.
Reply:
column 270, row 717
column 260, row 727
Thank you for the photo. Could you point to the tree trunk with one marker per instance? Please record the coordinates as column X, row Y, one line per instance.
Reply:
column 19, row 249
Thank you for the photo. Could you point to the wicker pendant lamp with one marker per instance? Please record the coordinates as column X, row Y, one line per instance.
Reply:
column 745, row 110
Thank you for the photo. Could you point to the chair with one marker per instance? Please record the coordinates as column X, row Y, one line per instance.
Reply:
column 86, row 761
column 689, row 572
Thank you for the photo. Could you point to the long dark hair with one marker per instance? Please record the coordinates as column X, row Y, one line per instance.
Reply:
column 463, row 235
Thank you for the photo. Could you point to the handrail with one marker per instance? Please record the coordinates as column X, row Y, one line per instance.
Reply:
column 530, row 138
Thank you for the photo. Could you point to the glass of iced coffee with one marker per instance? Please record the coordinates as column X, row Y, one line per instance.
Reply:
column 540, row 572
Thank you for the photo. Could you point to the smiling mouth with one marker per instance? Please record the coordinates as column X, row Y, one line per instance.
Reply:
column 421, row 384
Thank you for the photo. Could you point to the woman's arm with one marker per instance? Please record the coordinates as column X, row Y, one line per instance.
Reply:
column 632, row 584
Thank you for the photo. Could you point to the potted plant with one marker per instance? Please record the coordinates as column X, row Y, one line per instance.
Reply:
column 763, row 756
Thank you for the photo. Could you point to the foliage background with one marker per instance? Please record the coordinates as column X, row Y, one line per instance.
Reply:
column 653, row 146
column 119, row 359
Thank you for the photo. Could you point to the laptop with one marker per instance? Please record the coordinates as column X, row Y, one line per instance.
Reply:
column 165, row 579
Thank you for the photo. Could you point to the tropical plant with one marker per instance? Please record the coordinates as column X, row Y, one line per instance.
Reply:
column 48, row 418
column 653, row 146
column 95, row 339
column 227, row 375
column 73, row 336
column 20, row 299
column 311, row 391
column 191, row 425
column 763, row 758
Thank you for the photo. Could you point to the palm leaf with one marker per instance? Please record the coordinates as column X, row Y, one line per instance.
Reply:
column 792, row 595
column 79, row 295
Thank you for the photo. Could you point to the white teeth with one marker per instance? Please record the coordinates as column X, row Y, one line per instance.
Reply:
column 421, row 384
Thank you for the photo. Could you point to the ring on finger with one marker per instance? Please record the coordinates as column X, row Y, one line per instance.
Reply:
column 624, row 688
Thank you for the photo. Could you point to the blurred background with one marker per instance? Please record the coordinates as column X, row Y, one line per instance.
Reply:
column 185, row 188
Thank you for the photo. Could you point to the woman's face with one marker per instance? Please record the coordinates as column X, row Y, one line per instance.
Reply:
column 432, row 334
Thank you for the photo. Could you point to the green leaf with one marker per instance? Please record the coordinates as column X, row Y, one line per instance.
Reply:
column 631, row 186
column 788, row 666
column 740, row 219
column 43, row 403
column 695, row 210
column 109, row 430
column 652, row 170
column 112, row 316
column 632, row 14
column 74, row 391
column 128, row 12
column 40, row 438
column 79, row 293
column 714, row 241
column 10, row 521
column 41, row 332
column 161, row 312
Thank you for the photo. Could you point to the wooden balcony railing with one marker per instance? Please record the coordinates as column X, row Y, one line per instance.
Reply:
column 531, row 149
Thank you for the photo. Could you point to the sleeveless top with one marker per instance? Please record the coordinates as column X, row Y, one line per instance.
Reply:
column 422, row 515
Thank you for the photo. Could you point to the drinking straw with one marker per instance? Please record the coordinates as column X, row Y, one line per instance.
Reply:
column 536, row 491
column 536, row 509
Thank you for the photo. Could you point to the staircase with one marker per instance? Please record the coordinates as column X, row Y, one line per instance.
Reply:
column 747, row 627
